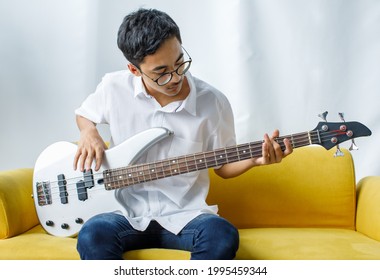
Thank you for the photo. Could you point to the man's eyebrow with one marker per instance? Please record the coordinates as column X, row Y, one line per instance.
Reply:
column 158, row 68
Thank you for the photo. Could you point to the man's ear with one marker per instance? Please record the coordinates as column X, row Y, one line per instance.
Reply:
column 134, row 70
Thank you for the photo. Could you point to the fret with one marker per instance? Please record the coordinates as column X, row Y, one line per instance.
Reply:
column 200, row 161
column 174, row 167
column 190, row 162
column 129, row 177
column 256, row 149
column 210, row 160
column 250, row 150
column 166, row 168
column 115, row 178
column 215, row 158
column 182, row 165
column 133, row 175
column 308, row 134
column 306, row 140
column 244, row 151
column 119, row 178
column 295, row 141
column 237, row 153
column 140, row 176
column 157, row 169
column 152, row 171
column 292, row 141
column 301, row 140
column 232, row 155
column 147, row 172
column 319, row 138
column 112, row 182
column 220, row 157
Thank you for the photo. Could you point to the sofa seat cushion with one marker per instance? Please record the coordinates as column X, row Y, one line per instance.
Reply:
column 36, row 244
column 157, row 254
column 306, row 244
column 257, row 243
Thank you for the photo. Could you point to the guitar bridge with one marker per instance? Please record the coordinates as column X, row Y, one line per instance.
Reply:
column 43, row 193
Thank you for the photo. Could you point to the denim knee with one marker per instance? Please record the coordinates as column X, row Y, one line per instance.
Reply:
column 98, row 239
column 217, row 239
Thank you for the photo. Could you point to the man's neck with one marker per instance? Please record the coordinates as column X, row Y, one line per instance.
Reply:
column 164, row 100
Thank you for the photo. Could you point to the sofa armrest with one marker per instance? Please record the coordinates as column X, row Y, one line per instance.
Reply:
column 17, row 210
column 368, row 207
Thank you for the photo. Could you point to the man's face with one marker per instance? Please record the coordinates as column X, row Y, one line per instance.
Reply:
column 165, row 60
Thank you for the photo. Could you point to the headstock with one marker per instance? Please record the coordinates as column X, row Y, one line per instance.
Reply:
column 331, row 134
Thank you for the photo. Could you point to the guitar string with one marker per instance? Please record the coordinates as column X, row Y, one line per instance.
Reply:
column 175, row 168
column 302, row 139
column 170, row 174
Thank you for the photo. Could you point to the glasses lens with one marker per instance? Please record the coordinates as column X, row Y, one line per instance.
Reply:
column 164, row 79
column 182, row 69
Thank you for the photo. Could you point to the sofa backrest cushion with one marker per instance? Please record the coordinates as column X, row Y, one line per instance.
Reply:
column 309, row 188
column 368, row 206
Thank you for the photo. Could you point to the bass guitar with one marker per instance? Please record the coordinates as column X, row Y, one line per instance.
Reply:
column 65, row 198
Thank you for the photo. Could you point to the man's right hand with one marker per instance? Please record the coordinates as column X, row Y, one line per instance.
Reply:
column 90, row 146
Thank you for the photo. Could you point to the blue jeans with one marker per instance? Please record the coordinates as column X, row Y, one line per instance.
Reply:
column 109, row 235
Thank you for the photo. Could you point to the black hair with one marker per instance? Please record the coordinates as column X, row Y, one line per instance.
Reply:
column 142, row 32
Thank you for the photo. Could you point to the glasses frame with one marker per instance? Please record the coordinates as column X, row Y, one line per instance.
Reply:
column 171, row 72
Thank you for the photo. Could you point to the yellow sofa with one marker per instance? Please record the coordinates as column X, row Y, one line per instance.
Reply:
column 307, row 207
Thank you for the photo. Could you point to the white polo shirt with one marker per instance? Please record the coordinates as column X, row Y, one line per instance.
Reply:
column 202, row 122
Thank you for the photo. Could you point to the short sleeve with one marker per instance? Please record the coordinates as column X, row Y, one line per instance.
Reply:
column 224, row 133
column 93, row 107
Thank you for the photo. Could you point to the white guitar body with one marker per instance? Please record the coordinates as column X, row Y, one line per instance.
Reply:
column 62, row 209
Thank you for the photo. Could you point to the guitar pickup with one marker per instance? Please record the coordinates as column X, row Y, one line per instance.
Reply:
column 63, row 188
column 83, row 185
column 88, row 179
column 82, row 190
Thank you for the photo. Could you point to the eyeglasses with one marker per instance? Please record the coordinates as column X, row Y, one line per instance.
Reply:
column 167, row 77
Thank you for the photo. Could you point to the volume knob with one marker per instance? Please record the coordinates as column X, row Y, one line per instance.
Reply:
column 65, row 226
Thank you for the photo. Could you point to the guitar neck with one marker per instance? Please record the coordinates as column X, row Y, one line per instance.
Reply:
column 135, row 174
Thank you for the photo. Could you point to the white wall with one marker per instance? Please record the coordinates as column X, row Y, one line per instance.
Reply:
column 280, row 62
column 46, row 52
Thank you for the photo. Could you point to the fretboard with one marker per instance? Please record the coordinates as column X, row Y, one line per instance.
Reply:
column 140, row 173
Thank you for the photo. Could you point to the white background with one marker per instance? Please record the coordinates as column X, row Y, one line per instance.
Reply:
column 280, row 63
column 275, row 269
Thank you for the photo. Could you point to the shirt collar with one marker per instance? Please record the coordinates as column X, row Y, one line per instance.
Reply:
column 139, row 87
column 189, row 104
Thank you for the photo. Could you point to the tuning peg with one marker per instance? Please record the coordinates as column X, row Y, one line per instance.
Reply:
column 341, row 115
column 323, row 116
column 353, row 146
column 338, row 152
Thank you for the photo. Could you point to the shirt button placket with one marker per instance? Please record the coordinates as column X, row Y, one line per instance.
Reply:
column 154, row 204
column 158, row 119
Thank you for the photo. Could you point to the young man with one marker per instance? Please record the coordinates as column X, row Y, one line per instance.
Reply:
column 158, row 91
